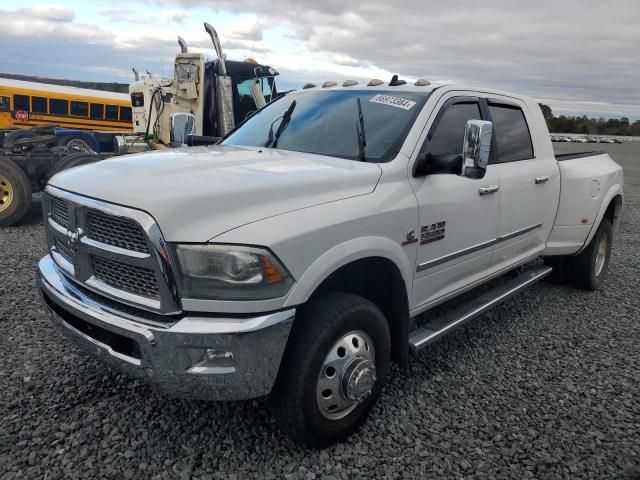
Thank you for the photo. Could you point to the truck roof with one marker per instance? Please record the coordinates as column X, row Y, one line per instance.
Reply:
column 411, row 87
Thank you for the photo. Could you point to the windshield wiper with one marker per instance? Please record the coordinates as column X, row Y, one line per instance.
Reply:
column 284, row 123
column 362, row 140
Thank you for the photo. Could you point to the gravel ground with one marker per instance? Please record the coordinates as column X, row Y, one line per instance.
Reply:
column 545, row 386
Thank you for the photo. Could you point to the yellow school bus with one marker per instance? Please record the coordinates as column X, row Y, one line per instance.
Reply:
column 26, row 104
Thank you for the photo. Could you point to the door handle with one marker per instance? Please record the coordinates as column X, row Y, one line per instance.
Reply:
column 489, row 189
column 541, row 180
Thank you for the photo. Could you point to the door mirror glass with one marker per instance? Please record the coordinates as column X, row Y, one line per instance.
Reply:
column 476, row 148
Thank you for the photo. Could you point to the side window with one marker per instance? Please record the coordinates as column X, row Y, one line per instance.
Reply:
column 125, row 114
column 58, row 107
column 111, row 112
column 511, row 133
column 97, row 111
column 80, row 109
column 447, row 135
column 4, row 104
column 21, row 102
column 38, row 105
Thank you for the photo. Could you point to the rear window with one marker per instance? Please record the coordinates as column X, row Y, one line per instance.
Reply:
column 111, row 112
column 38, row 104
column 97, row 111
column 80, row 109
column 512, row 133
column 21, row 102
column 58, row 107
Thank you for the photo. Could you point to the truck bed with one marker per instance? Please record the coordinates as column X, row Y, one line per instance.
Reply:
column 573, row 156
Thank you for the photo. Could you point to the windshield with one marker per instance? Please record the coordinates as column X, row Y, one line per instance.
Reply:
column 327, row 122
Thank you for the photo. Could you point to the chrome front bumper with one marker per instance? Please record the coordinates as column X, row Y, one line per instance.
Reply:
column 199, row 357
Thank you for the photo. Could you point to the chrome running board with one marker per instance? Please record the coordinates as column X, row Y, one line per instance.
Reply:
column 440, row 326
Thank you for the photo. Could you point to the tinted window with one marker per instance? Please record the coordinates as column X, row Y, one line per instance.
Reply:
column 97, row 111
column 58, row 107
column 512, row 133
column 21, row 102
column 4, row 104
column 447, row 136
column 111, row 112
column 326, row 122
column 125, row 114
column 39, row 104
column 81, row 109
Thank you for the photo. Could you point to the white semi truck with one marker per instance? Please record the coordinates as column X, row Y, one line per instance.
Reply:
column 304, row 253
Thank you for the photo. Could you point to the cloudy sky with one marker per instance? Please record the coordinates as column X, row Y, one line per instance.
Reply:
column 579, row 56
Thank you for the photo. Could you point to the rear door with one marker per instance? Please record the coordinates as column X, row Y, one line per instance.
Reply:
column 529, row 181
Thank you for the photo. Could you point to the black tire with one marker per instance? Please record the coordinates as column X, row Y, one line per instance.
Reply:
column 583, row 268
column 75, row 143
column 71, row 160
column 13, row 205
column 318, row 326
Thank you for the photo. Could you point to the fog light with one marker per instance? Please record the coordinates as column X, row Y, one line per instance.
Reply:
column 213, row 362
column 212, row 354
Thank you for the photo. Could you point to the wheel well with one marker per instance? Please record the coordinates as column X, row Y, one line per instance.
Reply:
column 613, row 210
column 378, row 280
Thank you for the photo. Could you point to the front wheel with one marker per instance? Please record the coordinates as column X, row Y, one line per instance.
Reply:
column 333, row 370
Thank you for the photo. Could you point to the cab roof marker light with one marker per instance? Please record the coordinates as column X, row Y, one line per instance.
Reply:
column 374, row 82
column 422, row 82
column 349, row 83
column 329, row 84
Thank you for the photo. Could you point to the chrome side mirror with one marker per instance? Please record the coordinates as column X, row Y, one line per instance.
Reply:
column 476, row 148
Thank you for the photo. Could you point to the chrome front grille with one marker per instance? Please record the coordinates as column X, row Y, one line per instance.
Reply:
column 115, row 251
column 65, row 250
column 60, row 212
column 116, row 231
column 138, row 280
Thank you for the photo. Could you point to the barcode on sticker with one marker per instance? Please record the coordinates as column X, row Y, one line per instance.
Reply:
column 393, row 101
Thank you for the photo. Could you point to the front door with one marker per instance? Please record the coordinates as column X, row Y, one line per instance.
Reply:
column 458, row 215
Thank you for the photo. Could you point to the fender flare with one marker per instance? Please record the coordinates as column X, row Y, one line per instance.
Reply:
column 344, row 254
column 614, row 191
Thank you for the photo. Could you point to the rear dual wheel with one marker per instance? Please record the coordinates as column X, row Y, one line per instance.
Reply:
column 588, row 269
column 333, row 369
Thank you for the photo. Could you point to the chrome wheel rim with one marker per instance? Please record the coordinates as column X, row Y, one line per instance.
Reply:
column 78, row 144
column 347, row 375
column 601, row 254
column 6, row 193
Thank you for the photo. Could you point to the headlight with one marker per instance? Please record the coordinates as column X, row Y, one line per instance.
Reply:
column 228, row 272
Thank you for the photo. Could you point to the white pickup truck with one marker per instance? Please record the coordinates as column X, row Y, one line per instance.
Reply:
column 298, row 257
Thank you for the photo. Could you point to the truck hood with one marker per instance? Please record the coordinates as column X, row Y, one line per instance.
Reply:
column 198, row 193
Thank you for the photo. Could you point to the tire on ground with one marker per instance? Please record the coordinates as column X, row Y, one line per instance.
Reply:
column 75, row 159
column 317, row 328
column 587, row 270
column 15, row 193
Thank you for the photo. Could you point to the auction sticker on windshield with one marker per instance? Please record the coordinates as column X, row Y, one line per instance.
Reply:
column 397, row 102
